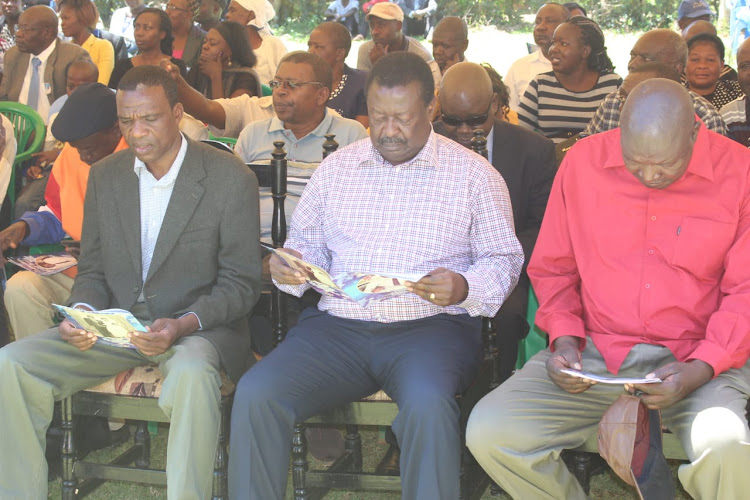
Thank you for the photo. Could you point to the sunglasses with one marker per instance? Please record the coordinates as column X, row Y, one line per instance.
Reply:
column 474, row 121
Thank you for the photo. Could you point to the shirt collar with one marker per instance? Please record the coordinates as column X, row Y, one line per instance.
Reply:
column 700, row 161
column 427, row 156
column 320, row 131
column 44, row 55
column 171, row 176
column 540, row 56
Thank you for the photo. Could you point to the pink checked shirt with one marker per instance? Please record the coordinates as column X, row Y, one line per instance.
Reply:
column 448, row 207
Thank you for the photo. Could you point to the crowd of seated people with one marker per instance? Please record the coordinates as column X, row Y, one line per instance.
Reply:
column 635, row 238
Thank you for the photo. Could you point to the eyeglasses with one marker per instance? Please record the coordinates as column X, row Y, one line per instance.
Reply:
column 474, row 121
column 174, row 7
column 24, row 28
column 290, row 85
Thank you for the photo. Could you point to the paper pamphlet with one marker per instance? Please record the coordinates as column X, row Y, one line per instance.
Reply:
column 110, row 325
column 611, row 380
column 45, row 264
column 362, row 288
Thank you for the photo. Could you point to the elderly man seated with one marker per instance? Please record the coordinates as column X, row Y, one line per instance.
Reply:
column 449, row 42
column 453, row 226
column 642, row 270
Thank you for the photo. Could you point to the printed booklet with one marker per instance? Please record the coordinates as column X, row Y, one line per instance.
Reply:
column 611, row 380
column 45, row 264
column 362, row 288
column 110, row 325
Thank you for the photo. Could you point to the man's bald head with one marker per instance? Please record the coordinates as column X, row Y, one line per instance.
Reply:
column 655, row 110
column 659, row 45
column 466, row 97
column 40, row 29
column 698, row 27
column 450, row 39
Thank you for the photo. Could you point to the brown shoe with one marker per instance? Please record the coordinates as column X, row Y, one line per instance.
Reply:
column 325, row 443
column 390, row 465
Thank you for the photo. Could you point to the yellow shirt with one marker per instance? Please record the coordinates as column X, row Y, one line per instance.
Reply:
column 103, row 55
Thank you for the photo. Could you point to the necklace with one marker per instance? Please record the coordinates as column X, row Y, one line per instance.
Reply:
column 338, row 88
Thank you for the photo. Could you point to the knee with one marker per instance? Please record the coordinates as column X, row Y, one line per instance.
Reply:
column 493, row 425
column 20, row 286
column 428, row 406
column 193, row 373
column 718, row 430
column 257, row 390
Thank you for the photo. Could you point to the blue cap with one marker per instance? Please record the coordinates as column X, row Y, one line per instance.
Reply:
column 693, row 8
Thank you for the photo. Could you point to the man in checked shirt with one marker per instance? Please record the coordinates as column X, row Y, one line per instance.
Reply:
column 404, row 201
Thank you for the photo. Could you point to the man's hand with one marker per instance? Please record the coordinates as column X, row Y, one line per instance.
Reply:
column 73, row 247
column 442, row 287
column 11, row 236
column 282, row 273
column 567, row 355
column 41, row 160
column 678, row 380
column 76, row 337
column 377, row 51
column 162, row 333
column 170, row 68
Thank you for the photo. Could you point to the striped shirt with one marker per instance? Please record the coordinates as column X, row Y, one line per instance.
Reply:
column 557, row 113
column 447, row 207
column 735, row 115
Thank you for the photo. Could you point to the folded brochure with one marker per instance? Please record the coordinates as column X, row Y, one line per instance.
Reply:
column 45, row 264
column 611, row 380
column 362, row 288
column 110, row 325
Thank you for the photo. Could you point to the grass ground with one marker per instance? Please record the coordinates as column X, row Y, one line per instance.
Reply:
column 603, row 486
column 487, row 45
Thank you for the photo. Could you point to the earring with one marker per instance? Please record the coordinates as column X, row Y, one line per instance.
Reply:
column 229, row 63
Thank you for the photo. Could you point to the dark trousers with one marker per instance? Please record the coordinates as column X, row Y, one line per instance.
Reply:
column 327, row 361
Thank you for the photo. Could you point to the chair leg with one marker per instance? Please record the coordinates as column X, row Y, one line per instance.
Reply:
column 68, row 451
column 353, row 446
column 142, row 441
column 580, row 465
column 299, row 463
column 220, row 463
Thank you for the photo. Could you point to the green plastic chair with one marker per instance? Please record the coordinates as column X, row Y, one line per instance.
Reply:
column 26, row 123
column 266, row 90
column 230, row 141
column 536, row 340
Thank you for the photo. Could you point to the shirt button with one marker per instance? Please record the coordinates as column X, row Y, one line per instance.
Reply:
column 653, row 217
column 651, row 252
column 648, row 285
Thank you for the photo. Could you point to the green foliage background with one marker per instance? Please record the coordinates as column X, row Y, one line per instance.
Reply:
column 623, row 15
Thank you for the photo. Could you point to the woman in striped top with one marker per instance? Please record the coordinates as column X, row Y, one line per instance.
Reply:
column 560, row 103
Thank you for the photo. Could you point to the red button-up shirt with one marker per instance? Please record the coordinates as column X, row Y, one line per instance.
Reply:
column 625, row 264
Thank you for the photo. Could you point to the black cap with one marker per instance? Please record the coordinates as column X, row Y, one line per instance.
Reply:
column 89, row 109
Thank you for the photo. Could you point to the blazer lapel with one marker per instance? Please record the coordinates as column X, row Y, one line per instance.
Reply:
column 128, row 199
column 186, row 195
column 49, row 71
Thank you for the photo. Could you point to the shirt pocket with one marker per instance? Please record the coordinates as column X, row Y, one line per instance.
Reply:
column 701, row 246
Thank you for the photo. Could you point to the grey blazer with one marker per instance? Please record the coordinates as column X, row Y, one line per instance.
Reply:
column 193, row 46
column 17, row 63
column 207, row 255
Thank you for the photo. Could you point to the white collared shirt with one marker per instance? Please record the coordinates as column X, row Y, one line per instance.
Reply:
column 521, row 72
column 154, row 199
column 44, row 88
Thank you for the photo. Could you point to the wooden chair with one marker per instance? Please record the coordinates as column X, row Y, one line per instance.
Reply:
column 379, row 410
column 134, row 395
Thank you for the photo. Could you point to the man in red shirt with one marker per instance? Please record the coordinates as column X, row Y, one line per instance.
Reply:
column 642, row 269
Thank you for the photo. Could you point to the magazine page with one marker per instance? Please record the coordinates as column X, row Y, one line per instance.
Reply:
column 110, row 325
column 365, row 288
column 610, row 380
column 318, row 277
column 45, row 264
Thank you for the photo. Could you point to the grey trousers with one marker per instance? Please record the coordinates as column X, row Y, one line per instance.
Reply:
column 41, row 369
column 327, row 361
column 518, row 430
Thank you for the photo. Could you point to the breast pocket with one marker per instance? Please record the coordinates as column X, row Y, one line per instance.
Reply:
column 198, row 234
column 701, row 245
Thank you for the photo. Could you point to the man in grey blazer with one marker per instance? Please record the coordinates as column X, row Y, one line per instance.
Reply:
column 170, row 233
column 37, row 49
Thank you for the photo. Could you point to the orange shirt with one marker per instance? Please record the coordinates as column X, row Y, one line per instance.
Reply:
column 66, row 191
column 623, row 264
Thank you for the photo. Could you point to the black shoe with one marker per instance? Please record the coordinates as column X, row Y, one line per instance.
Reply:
column 390, row 465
